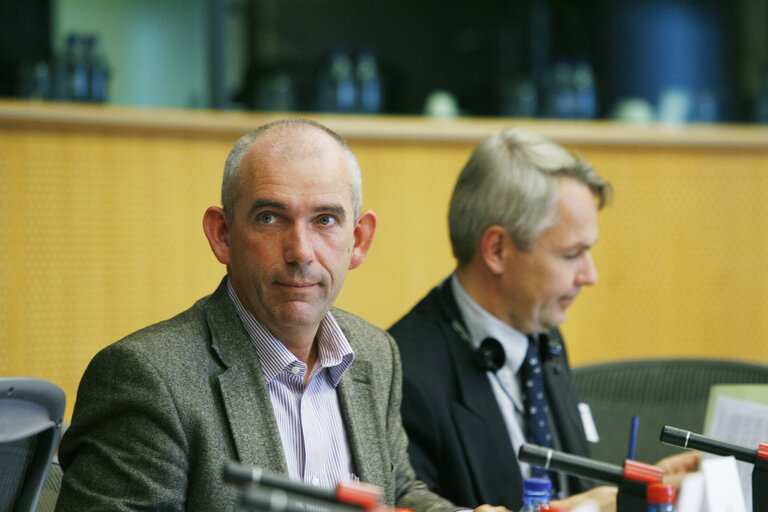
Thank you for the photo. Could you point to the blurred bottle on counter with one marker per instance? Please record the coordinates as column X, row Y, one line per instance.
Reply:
column 336, row 85
column 76, row 69
column 35, row 81
column 584, row 93
column 569, row 91
column 368, row 82
column 275, row 92
column 519, row 98
column 98, row 72
column 559, row 98
column 78, row 73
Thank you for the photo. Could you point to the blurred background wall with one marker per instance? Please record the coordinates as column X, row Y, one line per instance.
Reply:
column 682, row 60
column 102, row 205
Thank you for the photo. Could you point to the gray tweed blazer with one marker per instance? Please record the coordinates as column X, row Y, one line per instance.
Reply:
column 160, row 412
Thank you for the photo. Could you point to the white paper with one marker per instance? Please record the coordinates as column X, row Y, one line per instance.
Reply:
column 691, row 495
column 744, row 423
column 590, row 430
column 721, row 485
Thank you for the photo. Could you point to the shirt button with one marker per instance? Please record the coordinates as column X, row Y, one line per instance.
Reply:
column 315, row 481
column 295, row 369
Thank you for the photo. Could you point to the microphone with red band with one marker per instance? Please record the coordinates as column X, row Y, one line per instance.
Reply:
column 759, row 458
column 278, row 493
column 632, row 478
column 686, row 439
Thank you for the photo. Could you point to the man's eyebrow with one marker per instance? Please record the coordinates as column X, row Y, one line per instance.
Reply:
column 266, row 203
column 582, row 245
column 331, row 208
column 259, row 204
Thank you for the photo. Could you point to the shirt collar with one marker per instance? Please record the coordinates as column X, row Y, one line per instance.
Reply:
column 482, row 324
column 334, row 352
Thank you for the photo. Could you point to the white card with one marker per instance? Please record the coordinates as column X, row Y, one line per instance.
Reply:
column 588, row 422
column 691, row 495
column 722, row 486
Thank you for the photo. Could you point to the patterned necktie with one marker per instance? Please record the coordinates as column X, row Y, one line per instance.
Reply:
column 534, row 399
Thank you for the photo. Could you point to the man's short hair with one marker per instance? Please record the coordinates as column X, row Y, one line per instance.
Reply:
column 511, row 180
column 231, row 180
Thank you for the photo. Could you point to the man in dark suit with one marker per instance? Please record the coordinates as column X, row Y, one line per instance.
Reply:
column 263, row 371
column 523, row 218
column 522, row 221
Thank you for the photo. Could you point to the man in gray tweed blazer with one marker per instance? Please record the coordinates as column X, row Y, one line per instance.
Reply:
column 234, row 378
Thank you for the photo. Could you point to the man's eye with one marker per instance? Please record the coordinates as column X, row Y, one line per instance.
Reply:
column 266, row 218
column 326, row 220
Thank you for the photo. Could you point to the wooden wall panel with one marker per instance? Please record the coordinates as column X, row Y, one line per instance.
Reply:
column 102, row 229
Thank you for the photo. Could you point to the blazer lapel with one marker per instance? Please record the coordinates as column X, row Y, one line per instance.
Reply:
column 247, row 406
column 367, row 442
column 477, row 416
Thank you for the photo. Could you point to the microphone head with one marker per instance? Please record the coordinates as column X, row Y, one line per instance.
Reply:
column 674, row 436
column 490, row 355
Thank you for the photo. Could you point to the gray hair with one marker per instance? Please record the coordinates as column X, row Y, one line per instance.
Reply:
column 230, row 182
column 511, row 180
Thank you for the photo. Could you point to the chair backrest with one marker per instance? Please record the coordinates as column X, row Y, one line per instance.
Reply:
column 31, row 414
column 661, row 392
column 50, row 492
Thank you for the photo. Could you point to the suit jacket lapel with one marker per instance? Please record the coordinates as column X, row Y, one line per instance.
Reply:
column 356, row 399
column 488, row 446
column 247, row 406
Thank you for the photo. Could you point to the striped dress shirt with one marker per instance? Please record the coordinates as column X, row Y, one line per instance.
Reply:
column 308, row 417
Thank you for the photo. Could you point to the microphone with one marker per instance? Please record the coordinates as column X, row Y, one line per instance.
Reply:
column 758, row 458
column 632, row 479
column 278, row 500
column 490, row 355
column 576, row 465
column 351, row 494
column 686, row 439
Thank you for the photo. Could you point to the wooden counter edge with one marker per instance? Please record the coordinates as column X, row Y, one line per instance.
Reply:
column 417, row 128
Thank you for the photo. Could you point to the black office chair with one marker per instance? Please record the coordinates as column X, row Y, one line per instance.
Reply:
column 661, row 392
column 50, row 492
column 31, row 414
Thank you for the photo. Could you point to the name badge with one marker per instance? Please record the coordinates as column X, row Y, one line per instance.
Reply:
column 588, row 423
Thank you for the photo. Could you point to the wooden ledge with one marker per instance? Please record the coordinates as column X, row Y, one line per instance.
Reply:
column 416, row 128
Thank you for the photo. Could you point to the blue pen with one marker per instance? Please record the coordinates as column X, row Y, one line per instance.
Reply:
column 633, row 436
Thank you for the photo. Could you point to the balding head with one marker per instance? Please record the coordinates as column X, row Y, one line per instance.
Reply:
column 287, row 138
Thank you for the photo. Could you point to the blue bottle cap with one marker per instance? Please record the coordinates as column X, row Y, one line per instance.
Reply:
column 537, row 485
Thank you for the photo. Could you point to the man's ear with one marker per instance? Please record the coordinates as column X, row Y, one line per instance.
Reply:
column 493, row 248
column 216, row 227
column 364, row 231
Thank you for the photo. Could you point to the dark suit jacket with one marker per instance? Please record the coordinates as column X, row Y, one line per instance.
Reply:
column 459, row 444
column 160, row 412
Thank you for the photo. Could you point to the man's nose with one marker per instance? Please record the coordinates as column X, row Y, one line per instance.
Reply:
column 587, row 275
column 298, row 245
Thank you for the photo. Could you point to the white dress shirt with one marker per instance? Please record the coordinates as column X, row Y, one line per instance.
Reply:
column 308, row 416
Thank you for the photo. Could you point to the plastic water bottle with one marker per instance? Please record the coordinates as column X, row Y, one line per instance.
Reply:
column 585, row 96
column 98, row 73
column 660, row 497
column 536, row 492
column 336, row 88
column 76, row 69
column 369, row 82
